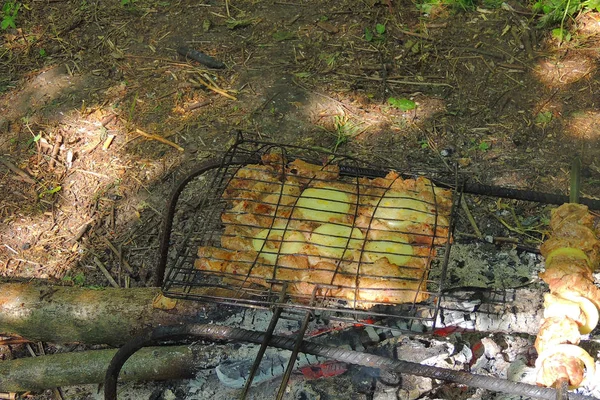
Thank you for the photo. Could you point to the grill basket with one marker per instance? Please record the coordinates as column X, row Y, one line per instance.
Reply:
column 273, row 231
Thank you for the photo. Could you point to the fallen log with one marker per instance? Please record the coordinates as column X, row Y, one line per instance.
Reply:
column 66, row 314
column 87, row 367
column 112, row 316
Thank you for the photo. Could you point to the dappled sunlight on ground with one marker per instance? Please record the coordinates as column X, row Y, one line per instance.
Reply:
column 584, row 125
column 82, row 168
column 561, row 71
column 118, row 104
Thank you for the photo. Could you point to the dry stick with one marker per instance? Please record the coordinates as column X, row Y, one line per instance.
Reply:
column 107, row 120
column 8, row 396
column 82, row 230
column 12, row 341
column 465, row 207
column 55, row 150
column 17, row 171
column 213, row 88
column 409, row 33
column 96, row 174
column 194, row 106
column 119, row 255
column 159, row 139
column 106, row 273
column 372, row 78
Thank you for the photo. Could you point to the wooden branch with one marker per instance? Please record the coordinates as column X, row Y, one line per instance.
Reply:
column 66, row 314
column 89, row 367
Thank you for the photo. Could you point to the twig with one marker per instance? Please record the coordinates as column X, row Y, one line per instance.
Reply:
column 10, row 248
column 194, row 106
column 96, row 174
column 213, row 88
column 119, row 255
column 159, row 138
column 373, row 78
column 8, row 396
column 409, row 33
column 14, row 340
column 106, row 273
column 465, row 207
column 55, row 150
column 17, row 171
column 107, row 120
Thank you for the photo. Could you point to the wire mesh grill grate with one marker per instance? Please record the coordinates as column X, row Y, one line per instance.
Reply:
column 332, row 233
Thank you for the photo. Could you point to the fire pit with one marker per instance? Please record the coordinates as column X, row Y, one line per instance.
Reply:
column 321, row 246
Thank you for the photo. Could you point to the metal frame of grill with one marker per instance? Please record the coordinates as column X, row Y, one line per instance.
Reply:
column 200, row 202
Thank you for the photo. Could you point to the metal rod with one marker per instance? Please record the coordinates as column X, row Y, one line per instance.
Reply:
column 487, row 190
column 294, row 356
column 219, row 332
column 265, row 343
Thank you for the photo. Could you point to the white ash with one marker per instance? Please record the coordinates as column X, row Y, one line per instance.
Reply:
column 259, row 320
column 482, row 265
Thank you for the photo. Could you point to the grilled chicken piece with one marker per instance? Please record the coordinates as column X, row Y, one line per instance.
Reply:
column 557, row 330
column 562, row 309
column 584, row 246
column 365, row 242
column 572, row 255
column 405, row 286
column 558, row 367
column 570, row 213
column 564, row 361
column 576, row 283
column 566, row 266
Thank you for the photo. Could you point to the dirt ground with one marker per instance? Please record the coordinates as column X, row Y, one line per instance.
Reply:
column 100, row 116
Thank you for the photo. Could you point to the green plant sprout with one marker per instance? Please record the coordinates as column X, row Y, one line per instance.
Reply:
column 402, row 104
column 9, row 15
column 427, row 6
column 378, row 34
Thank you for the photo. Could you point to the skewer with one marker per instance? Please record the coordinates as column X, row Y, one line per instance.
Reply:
column 562, row 386
column 265, row 343
column 575, row 180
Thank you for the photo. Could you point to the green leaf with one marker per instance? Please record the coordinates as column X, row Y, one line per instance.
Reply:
column 302, row 74
column 368, row 35
column 484, row 146
column 284, row 35
column 50, row 191
column 237, row 23
column 402, row 104
column 380, row 28
column 543, row 117
column 79, row 279
column 8, row 22
column 561, row 34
